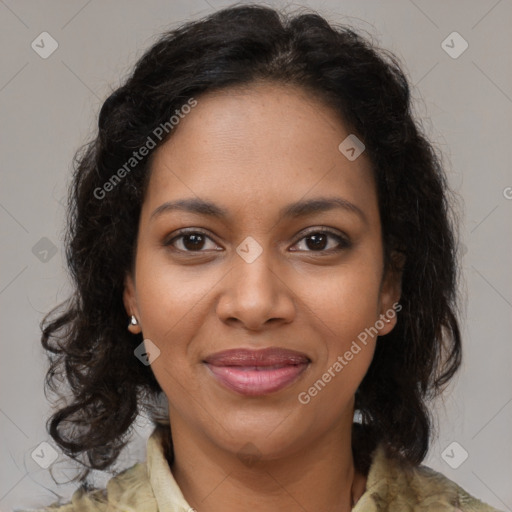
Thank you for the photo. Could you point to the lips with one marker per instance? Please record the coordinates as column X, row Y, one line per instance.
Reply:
column 257, row 372
column 264, row 357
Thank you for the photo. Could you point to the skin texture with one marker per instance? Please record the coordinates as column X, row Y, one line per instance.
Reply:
column 253, row 151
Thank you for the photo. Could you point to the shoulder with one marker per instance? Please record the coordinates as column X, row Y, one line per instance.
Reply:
column 432, row 485
column 129, row 490
column 392, row 485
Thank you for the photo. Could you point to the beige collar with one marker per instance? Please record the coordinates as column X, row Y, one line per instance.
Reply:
column 389, row 486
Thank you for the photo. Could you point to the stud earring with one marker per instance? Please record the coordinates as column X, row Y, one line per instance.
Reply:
column 133, row 321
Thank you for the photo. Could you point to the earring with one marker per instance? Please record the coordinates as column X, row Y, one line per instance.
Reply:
column 133, row 321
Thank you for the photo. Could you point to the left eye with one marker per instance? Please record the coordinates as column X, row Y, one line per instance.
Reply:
column 319, row 239
column 315, row 241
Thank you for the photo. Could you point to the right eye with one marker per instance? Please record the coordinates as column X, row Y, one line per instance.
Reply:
column 191, row 240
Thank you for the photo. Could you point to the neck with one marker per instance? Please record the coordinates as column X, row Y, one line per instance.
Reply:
column 319, row 477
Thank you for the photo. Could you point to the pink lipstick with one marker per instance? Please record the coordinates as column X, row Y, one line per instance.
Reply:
column 257, row 372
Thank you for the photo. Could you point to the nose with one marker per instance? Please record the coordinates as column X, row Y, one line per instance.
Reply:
column 256, row 294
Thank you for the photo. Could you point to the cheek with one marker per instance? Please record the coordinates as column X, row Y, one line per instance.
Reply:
column 346, row 298
column 170, row 307
column 344, row 309
column 345, row 342
column 169, row 298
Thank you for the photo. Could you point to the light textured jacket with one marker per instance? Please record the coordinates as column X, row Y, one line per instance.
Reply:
column 151, row 487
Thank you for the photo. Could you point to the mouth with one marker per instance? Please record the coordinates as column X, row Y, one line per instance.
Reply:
column 257, row 372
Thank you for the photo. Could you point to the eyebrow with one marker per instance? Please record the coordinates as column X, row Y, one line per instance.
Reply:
column 294, row 210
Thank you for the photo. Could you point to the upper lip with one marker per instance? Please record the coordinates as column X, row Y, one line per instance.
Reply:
column 264, row 357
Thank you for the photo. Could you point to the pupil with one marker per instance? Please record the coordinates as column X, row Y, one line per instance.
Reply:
column 315, row 239
column 196, row 243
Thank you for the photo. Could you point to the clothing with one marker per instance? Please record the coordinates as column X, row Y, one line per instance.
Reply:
column 151, row 487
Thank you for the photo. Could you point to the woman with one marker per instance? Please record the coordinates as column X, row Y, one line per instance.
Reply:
column 260, row 234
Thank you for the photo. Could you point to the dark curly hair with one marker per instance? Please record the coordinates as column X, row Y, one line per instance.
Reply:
column 86, row 337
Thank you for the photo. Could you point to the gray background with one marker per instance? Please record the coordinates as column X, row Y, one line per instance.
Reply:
column 49, row 108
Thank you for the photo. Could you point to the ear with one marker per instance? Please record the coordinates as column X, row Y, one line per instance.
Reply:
column 130, row 303
column 390, row 293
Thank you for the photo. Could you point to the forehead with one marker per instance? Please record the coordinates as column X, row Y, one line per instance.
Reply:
column 256, row 146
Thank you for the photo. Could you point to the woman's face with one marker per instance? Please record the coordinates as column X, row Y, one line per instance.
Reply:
column 256, row 276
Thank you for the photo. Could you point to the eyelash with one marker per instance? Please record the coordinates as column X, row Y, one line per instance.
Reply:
column 344, row 243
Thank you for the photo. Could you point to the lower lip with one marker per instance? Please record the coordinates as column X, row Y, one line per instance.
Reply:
column 251, row 382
